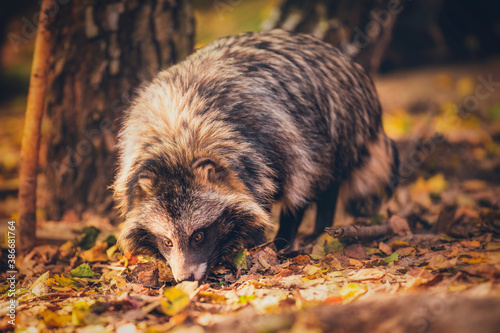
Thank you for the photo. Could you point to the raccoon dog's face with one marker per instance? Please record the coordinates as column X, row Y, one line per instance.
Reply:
column 193, row 215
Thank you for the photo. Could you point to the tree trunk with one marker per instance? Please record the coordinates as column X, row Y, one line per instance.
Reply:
column 361, row 28
column 104, row 49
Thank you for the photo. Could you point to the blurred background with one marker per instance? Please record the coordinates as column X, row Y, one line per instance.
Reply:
column 436, row 64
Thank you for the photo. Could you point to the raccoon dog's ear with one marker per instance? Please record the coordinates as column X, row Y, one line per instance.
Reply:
column 145, row 182
column 207, row 170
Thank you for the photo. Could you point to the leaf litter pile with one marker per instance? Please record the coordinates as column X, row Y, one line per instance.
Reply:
column 429, row 263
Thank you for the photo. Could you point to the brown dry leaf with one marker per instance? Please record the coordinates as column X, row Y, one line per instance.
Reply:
column 302, row 259
column 399, row 225
column 366, row 274
column 420, row 272
column 439, row 262
column 147, row 274
column 474, row 185
column 385, row 248
column 356, row 251
column 406, row 251
column 331, row 261
column 470, row 243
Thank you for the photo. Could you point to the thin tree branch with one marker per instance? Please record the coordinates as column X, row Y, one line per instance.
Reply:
column 31, row 134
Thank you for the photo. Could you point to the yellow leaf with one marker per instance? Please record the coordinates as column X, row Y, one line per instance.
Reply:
column 465, row 86
column 421, row 190
column 207, row 296
column 52, row 319
column 352, row 290
column 437, row 183
column 80, row 313
column 96, row 253
column 119, row 282
column 174, row 301
column 397, row 244
column 66, row 282
column 397, row 124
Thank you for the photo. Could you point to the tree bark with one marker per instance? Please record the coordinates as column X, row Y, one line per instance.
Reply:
column 104, row 50
column 362, row 29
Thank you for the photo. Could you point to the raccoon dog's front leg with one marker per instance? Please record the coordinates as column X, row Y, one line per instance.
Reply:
column 326, row 205
column 289, row 225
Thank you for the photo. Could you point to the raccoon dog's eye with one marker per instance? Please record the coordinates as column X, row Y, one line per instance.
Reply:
column 198, row 237
column 168, row 243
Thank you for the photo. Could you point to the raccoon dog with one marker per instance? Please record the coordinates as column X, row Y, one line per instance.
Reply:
column 210, row 144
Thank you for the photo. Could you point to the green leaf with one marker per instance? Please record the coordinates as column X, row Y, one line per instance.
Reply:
column 174, row 301
column 89, row 236
column 111, row 240
column 334, row 246
column 240, row 260
column 83, row 271
column 494, row 112
column 4, row 288
column 391, row 259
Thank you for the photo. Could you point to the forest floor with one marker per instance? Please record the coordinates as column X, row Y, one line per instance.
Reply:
column 440, row 274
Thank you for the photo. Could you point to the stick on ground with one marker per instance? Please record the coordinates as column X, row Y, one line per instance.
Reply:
column 395, row 225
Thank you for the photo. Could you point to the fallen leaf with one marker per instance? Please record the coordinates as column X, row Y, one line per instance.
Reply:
column 147, row 274
column 356, row 251
column 82, row 316
column 40, row 287
column 52, row 319
column 470, row 243
column 399, row 244
column 385, row 248
column 83, row 271
column 240, row 260
column 391, row 259
column 89, row 237
column 405, row 251
column 96, row 253
column 399, row 225
column 352, row 290
column 439, row 262
column 174, row 301
column 302, row 259
column 206, row 296
column 64, row 282
column 245, row 298
column 366, row 274
column 283, row 273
